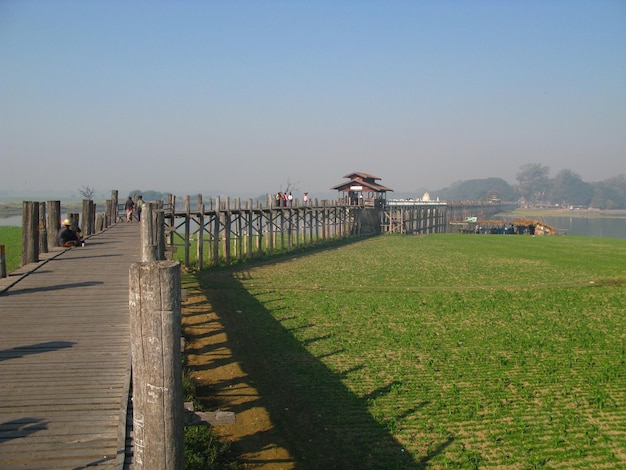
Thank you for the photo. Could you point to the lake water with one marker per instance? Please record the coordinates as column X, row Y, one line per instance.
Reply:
column 14, row 220
column 587, row 227
column 592, row 227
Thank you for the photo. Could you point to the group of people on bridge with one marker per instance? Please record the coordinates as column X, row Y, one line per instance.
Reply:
column 286, row 199
column 130, row 206
column 69, row 236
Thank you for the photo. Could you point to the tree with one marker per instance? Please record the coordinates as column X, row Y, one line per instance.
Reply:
column 86, row 192
column 291, row 187
column 479, row 190
column 534, row 183
column 610, row 193
column 569, row 189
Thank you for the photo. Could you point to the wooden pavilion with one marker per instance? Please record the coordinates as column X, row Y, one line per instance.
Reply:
column 362, row 189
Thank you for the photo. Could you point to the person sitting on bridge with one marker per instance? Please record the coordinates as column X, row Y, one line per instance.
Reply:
column 68, row 237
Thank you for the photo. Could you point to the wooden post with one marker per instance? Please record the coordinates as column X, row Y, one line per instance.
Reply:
column 171, row 216
column 226, row 216
column 43, row 231
column 148, row 248
column 3, row 262
column 310, row 226
column 30, row 232
column 100, row 223
column 107, row 214
column 114, row 207
column 270, row 231
column 54, row 222
column 250, row 217
column 200, row 245
column 282, row 230
column 92, row 218
column 155, row 331
column 158, row 214
column 317, row 222
column 239, row 246
column 187, row 228
column 86, row 215
column 74, row 218
column 260, row 231
column 216, row 233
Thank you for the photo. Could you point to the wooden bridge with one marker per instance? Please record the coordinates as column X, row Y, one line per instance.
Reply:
column 65, row 355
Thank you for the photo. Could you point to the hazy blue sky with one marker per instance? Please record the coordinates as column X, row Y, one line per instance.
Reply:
column 243, row 96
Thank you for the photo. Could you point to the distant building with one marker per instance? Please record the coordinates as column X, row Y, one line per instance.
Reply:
column 362, row 189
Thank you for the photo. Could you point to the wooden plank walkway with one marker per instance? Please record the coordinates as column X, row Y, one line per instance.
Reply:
column 64, row 356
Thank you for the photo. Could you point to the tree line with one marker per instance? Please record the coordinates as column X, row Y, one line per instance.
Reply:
column 536, row 188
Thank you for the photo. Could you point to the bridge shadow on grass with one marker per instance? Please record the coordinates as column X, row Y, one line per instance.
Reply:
column 320, row 422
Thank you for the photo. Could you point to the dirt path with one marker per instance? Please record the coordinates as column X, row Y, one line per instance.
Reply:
column 221, row 384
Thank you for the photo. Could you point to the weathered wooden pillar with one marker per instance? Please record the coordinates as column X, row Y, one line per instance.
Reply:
column 261, row 223
column 171, row 217
column 186, row 229
column 158, row 214
column 148, row 247
column 239, row 246
column 54, row 222
column 216, row 233
column 324, row 221
column 227, row 231
column 30, row 232
column 200, row 244
column 310, row 212
column 289, row 229
column 43, row 230
column 99, row 227
column 107, row 214
column 270, row 231
column 90, row 218
column 114, row 207
column 3, row 262
column 282, row 230
column 74, row 218
column 250, row 231
column 317, row 222
column 86, row 215
column 155, row 332
column 93, row 210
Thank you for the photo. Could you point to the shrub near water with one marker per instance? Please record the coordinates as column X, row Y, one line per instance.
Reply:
column 468, row 351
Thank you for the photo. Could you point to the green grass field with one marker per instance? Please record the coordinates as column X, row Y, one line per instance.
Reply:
column 439, row 351
column 11, row 238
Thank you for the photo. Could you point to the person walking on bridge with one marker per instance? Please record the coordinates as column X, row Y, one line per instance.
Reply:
column 139, row 205
column 128, row 207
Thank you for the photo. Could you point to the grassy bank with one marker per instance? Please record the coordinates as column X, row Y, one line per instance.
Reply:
column 11, row 238
column 445, row 350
